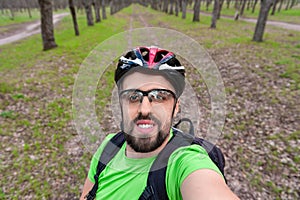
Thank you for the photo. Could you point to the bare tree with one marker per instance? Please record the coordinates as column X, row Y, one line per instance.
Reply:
column 47, row 28
column 220, row 8
column 73, row 13
column 88, row 10
column 215, row 14
column 196, row 17
column 262, row 20
column 208, row 2
column 103, row 5
column 274, row 7
column 243, row 7
column 237, row 10
column 280, row 5
column 254, row 5
column 183, row 5
column 171, row 12
column 165, row 6
column 228, row 3
column 96, row 5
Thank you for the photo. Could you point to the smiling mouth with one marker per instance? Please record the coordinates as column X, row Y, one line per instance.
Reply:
column 145, row 126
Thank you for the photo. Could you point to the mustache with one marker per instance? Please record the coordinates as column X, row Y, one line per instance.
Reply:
column 147, row 117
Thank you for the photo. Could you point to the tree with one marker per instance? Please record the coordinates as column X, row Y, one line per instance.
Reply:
column 274, row 7
column 254, row 5
column 73, row 13
column 88, row 10
column 196, row 17
column 262, row 20
column 280, row 5
column 215, row 14
column 243, row 7
column 220, row 8
column 183, row 4
column 103, row 9
column 165, row 6
column 47, row 28
column 96, row 5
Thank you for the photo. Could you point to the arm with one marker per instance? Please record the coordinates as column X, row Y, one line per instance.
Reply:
column 88, row 185
column 206, row 184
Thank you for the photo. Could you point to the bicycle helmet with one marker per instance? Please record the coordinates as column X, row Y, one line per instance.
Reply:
column 155, row 61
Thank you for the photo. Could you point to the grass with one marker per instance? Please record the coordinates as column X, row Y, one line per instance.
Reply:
column 6, row 19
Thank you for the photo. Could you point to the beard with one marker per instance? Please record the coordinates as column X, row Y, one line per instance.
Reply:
column 146, row 144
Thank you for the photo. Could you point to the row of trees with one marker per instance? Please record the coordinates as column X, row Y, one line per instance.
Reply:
column 176, row 6
column 93, row 7
column 46, row 9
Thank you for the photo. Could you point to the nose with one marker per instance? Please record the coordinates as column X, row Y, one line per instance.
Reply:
column 145, row 106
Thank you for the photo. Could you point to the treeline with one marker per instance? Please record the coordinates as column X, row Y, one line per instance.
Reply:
column 93, row 8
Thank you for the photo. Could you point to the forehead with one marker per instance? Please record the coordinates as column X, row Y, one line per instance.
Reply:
column 143, row 81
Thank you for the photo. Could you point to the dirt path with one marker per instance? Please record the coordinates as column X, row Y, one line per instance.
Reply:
column 20, row 31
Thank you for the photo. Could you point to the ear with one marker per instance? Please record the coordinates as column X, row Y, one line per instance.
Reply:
column 177, row 108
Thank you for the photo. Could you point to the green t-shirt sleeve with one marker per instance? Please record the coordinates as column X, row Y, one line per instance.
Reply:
column 182, row 163
column 96, row 157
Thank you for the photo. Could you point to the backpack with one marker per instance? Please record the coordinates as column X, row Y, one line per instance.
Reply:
column 156, row 187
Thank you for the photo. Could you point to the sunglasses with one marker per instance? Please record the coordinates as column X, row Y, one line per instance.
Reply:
column 133, row 96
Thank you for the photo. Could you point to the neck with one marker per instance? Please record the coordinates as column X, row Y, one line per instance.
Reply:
column 130, row 153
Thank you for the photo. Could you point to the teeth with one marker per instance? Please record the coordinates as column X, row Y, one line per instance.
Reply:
column 145, row 125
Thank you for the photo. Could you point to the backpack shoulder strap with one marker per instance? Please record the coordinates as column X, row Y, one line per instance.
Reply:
column 214, row 153
column 156, row 186
column 109, row 151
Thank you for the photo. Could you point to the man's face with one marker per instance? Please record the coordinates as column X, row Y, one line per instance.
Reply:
column 147, row 103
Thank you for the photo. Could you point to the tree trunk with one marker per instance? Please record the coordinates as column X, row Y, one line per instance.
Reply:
column 254, row 5
column 103, row 5
column 47, row 28
column 237, row 10
column 292, row 4
column 89, row 13
column 243, row 7
column 73, row 13
column 262, row 20
column 215, row 14
column 28, row 8
column 248, row 4
column 165, row 6
column 280, row 5
column 287, row 4
column 171, row 12
column 207, row 4
column 274, row 7
column 96, row 5
column 183, row 4
column 176, row 8
column 220, row 8
column 228, row 3
column 196, row 17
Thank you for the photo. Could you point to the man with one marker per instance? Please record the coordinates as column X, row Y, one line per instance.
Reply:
column 150, row 81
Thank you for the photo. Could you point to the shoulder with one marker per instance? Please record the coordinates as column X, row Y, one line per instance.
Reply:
column 96, row 157
column 182, row 163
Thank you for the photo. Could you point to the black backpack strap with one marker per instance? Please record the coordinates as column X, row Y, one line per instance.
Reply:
column 109, row 151
column 215, row 154
column 156, row 187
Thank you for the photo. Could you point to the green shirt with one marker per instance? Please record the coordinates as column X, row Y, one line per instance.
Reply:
column 126, row 178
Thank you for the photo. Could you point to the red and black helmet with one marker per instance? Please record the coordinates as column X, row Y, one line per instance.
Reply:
column 154, row 60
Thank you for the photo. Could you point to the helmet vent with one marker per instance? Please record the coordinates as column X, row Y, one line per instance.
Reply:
column 145, row 53
column 160, row 55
